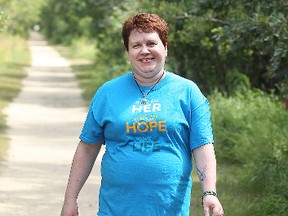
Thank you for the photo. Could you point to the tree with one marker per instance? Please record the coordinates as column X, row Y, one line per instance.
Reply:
column 3, row 19
column 216, row 40
column 220, row 44
column 20, row 16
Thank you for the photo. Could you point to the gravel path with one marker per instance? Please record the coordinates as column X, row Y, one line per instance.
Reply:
column 44, row 123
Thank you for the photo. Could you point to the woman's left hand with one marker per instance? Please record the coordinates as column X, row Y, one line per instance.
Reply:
column 211, row 203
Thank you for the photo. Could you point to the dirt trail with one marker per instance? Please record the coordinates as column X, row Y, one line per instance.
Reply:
column 44, row 123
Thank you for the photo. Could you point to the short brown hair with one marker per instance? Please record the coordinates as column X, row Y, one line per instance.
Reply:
column 147, row 23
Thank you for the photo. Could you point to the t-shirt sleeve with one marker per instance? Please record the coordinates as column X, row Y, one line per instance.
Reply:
column 92, row 131
column 201, row 127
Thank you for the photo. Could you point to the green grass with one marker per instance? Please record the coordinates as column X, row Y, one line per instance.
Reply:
column 14, row 57
column 251, row 132
column 236, row 200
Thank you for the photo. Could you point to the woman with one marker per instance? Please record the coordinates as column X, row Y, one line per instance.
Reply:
column 152, row 122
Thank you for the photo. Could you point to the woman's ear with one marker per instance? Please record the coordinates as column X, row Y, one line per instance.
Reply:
column 166, row 49
column 127, row 54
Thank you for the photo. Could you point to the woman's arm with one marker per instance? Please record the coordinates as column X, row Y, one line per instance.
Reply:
column 206, row 169
column 82, row 165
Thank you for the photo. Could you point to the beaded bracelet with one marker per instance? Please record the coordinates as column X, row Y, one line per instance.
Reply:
column 206, row 193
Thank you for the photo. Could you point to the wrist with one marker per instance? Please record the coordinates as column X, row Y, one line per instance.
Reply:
column 208, row 193
column 70, row 200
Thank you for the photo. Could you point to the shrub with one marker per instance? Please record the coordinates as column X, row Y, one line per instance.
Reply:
column 251, row 130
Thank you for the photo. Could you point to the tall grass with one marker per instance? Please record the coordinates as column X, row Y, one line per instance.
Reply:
column 14, row 57
column 251, row 133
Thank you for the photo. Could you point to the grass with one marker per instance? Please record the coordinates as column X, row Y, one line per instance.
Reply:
column 236, row 200
column 14, row 57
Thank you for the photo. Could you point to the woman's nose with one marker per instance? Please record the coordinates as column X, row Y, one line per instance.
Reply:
column 145, row 50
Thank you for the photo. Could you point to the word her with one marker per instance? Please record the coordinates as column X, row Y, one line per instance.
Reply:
column 146, row 108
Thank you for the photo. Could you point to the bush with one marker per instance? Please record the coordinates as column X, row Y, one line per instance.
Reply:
column 251, row 130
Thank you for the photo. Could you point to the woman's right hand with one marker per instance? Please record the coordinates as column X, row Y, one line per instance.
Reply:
column 70, row 209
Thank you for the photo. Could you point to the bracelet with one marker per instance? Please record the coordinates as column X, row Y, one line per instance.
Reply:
column 206, row 193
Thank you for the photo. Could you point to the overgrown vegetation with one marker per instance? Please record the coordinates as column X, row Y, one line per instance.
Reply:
column 18, row 17
column 14, row 57
column 251, row 133
column 219, row 39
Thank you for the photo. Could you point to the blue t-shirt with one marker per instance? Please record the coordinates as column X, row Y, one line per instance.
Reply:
column 146, row 168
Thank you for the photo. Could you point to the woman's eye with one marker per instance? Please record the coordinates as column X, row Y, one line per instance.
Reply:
column 136, row 46
column 152, row 44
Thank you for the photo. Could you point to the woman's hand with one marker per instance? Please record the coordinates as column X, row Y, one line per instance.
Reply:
column 211, row 203
column 70, row 208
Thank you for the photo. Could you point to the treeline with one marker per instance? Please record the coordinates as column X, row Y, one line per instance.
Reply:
column 221, row 44
column 18, row 17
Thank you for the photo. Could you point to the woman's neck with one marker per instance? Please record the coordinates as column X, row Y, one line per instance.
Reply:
column 149, row 81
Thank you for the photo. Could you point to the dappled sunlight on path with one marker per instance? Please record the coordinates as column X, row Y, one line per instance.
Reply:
column 44, row 123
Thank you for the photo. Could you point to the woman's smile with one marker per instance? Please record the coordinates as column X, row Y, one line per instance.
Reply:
column 146, row 60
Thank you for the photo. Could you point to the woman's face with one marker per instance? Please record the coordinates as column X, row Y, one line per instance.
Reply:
column 146, row 54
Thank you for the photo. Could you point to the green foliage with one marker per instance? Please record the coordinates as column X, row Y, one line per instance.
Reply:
column 249, row 117
column 212, row 39
column 60, row 21
column 251, row 131
column 209, row 40
column 3, row 19
column 14, row 57
column 20, row 16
